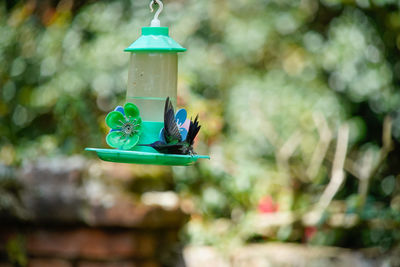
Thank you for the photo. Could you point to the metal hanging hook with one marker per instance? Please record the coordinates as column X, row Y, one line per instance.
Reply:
column 156, row 22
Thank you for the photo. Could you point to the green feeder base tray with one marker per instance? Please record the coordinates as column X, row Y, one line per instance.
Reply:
column 140, row 157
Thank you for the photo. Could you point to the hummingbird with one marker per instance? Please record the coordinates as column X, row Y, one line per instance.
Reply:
column 174, row 144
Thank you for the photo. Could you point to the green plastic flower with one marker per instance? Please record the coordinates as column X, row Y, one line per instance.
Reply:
column 125, row 125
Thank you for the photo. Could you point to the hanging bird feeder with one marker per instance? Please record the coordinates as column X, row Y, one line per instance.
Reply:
column 152, row 88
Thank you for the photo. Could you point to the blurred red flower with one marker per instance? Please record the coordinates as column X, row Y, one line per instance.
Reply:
column 267, row 205
column 309, row 232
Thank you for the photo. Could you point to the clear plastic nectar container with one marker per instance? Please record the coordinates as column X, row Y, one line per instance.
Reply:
column 153, row 72
column 152, row 78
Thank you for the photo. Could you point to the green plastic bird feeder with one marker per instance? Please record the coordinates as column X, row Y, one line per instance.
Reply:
column 152, row 77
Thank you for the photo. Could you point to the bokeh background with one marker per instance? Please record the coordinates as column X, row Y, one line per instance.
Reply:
column 298, row 101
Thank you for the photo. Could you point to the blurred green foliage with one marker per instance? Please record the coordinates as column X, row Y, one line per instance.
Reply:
column 16, row 251
column 265, row 75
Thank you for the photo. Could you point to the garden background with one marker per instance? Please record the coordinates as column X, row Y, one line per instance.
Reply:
column 298, row 102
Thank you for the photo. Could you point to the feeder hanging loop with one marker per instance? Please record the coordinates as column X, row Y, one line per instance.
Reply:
column 156, row 22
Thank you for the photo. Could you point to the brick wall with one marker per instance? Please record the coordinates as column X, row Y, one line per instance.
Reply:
column 88, row 246
column 70, row 218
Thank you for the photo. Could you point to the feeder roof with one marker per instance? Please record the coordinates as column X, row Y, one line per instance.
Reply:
column 155, row 39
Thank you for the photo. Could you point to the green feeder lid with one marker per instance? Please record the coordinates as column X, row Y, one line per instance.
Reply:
column 155, row 39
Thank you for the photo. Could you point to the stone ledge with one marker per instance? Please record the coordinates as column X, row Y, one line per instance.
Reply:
column 117, row 264
column 126, row 214
column 90, row 244
column 62, row 191
column 123, row 213
column 287, row 255
column 73, row 213
column 85, row 243
column 49, row 263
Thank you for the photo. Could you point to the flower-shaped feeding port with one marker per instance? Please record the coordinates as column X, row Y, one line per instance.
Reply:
column 183, row 125
column 125, row 124
column 130, row 135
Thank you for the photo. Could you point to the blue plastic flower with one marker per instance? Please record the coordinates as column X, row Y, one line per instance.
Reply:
column 183, row 124
column 125, row 125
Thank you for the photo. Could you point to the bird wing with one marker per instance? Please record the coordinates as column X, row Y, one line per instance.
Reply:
column 171, row 128
column 194, row 129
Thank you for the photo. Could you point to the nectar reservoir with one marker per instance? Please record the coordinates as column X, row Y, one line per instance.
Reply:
column 153, row 72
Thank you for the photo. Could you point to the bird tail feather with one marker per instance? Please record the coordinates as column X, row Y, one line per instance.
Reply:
column 194, row 129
